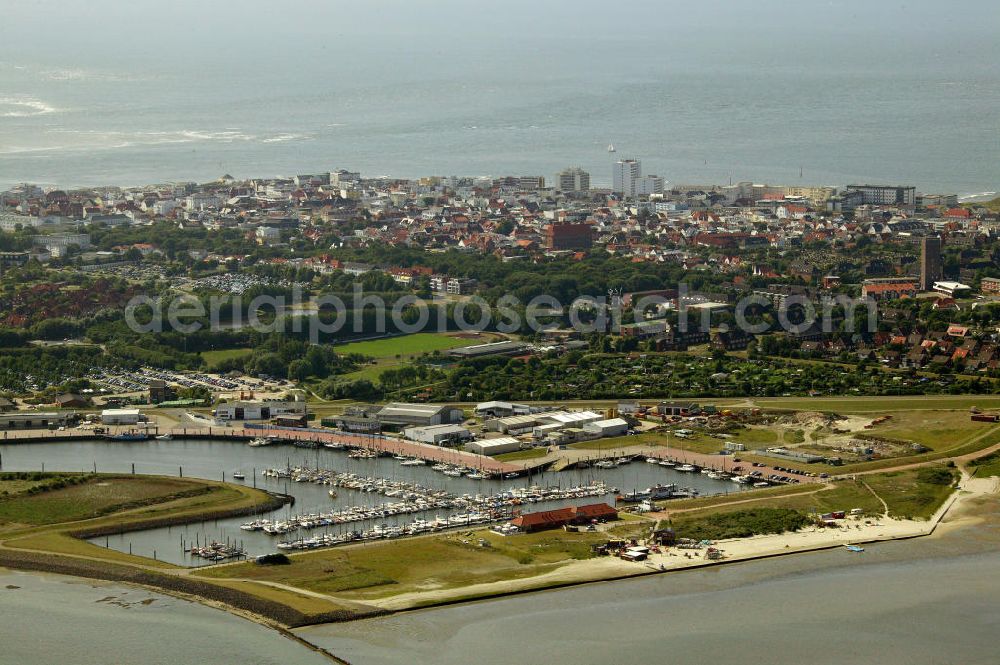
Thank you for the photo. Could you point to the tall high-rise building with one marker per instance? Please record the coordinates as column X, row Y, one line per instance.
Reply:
column 626, row 173
column 573, row 179
column 930, row 262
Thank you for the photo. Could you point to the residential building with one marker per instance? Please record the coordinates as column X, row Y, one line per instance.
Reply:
column 885, row 195
column 559, row 236
column 58, row 243
column 13, row 259
column 625, row 175
column 649, row 185
column 990, row 285
column 573, row 179
column 888, row 289
column 10, row 222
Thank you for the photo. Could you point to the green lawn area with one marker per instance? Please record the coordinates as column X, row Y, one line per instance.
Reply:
column 913, row 493
column 870, row 404
column 437, row 562
column 15, row 483
column 393, row 352
column 407, row 345
column 842, row 495
column 755, row 436
column 369, row 372
column 741, row 523
column 530, row 453
column 93, row 498
column 935, row 429
column 214, row 357
column 986, row 466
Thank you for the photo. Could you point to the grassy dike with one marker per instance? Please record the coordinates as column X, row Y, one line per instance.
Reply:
column 44, row 519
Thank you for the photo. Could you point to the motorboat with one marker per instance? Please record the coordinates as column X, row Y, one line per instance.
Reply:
column 238, row 475
column 164, row 437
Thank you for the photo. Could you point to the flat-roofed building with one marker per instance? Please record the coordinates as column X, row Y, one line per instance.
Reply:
column 497, row 446
column 506, row 348
column 952, row 289
column 990, row 285
column 351, row 423
column 33, row 420
column 400, row 413
column 569, row 418
column 608, row 427
column 885, row 194
column 497, row 409
column 513, row 424
column 439, row 435
column 121, row 416
column 263, row 410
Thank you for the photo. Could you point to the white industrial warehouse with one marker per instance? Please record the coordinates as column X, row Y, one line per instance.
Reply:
column 498, row 446
column 438, row 434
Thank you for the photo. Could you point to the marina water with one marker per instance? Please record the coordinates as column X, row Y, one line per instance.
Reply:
column 214, row 460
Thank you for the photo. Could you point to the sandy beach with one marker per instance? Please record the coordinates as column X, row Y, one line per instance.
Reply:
column 852, row 531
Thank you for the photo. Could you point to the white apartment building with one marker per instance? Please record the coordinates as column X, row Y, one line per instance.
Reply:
column 626, row 174
column 573, row 179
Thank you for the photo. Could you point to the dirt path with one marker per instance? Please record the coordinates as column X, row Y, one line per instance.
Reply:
column 885, row 506
column 665, row 514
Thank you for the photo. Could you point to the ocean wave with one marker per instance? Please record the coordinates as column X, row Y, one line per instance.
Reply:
column 980, row 196
column 281, row 138
column 75, row 139
column 24, row 107
column 89, row 75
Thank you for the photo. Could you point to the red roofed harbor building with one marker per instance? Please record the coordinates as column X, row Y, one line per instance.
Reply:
column 560, row 517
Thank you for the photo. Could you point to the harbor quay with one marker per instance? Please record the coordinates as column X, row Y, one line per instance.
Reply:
column 377, row 444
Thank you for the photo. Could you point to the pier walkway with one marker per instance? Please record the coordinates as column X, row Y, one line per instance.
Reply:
column 376, row 443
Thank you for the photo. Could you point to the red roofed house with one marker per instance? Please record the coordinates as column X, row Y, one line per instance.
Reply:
column 554, row 519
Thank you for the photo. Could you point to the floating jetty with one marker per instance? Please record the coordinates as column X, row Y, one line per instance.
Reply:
column 216, row 551
column 411, row 498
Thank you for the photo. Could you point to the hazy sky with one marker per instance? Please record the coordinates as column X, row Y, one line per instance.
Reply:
column 140, row 90
column 518, row 33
